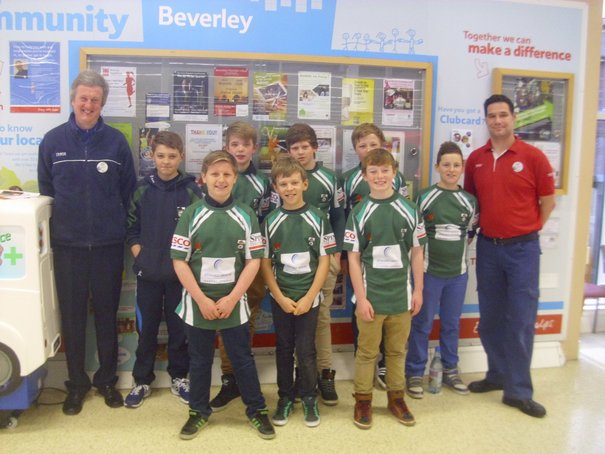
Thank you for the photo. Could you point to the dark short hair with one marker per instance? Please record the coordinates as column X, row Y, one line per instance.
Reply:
column 168, row 139
column 300, row 132
column 89, row 78
column 498, row 98
column 217, row 156
column 378, row 157
column 448, row 148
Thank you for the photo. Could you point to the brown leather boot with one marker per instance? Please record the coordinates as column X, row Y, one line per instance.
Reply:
column 362, row 415
column 398, row 407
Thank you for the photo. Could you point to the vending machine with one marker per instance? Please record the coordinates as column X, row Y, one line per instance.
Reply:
column 29, row 313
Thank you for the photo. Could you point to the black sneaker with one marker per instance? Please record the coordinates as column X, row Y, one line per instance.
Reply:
column 194, row 424
column 285, row 406
column 228, row 392
column 326, row 385
column 311, row 410
column 260, row 421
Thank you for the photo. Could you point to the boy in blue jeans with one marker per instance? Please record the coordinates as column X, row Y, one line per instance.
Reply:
column 155, row 207
column 298, row 240
column 449, row 213
column 253, row 189
column 216, row 251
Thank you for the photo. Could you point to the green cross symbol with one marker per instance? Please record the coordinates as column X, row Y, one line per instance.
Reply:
column 13, row 256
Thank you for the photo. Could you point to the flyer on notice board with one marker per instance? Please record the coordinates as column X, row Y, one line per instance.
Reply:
column 270, row 101
column 35, row 85
column 190, row 95
column 314, row 95
column 357, row 101
column 121, row 101
column 398, row 102
column 231, row 92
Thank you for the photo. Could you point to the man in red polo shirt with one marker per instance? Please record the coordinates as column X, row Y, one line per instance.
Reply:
column 514, row 185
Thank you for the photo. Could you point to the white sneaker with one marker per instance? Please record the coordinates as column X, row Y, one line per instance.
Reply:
column 414, row 388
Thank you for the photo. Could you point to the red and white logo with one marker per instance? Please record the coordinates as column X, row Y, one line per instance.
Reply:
column 181, row 243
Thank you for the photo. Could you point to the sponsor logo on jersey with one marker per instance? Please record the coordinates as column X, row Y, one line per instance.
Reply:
column 256, row 242
column 241, row 244
column 311, row 240
column 350, row 237
column 329, row 240
column 180, row 243
column 60, row 153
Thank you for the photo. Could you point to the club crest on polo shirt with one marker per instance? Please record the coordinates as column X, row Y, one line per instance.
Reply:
column 517, row 166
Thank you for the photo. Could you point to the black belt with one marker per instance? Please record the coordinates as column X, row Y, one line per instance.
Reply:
column 515, row 239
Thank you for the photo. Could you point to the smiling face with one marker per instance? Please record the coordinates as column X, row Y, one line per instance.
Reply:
column 87, row 104
column 291, row 190
column 167, row 161
column 242, row 150
column 500, row 122
column 220, row 179
column 450, row 167
column 365, row 144
column 304, row 153
column 380, row 180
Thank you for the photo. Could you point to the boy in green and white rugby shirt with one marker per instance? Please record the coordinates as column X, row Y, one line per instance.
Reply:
column 366, row 137
column 216, row 251
column 324, row 192
column 298, row 240
column 449, row 213
column 384, row 239
column 254, row 190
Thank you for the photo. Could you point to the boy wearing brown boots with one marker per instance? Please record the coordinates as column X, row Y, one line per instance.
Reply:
column 381, row 232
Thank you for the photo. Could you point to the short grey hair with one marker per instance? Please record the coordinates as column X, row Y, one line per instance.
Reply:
column 89, row 78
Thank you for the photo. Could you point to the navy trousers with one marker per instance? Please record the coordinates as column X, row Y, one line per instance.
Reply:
column 80, row 273
column 201, row 352
column 507, row 283
column 153, row 300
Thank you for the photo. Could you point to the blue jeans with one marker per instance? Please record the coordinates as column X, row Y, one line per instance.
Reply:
column 153, row 300
column 201, row 353
column 295, row 333
column 443, row 296
column 507, row 283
